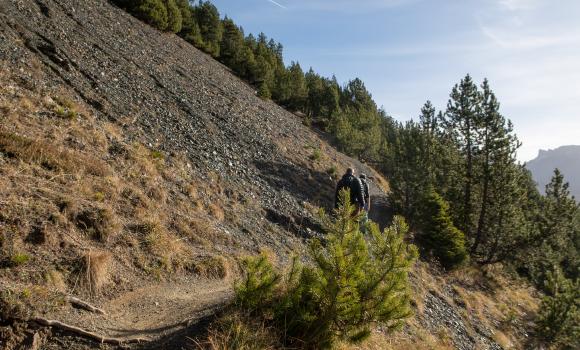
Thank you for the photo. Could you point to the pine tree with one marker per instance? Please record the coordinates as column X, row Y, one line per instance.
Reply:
column 356, row 96
column 353, row 284
column 256, row 288
column 557, row 241
column 430, row 128
column 323, row 98
column 427, row 119
column 442, row 238
column 232, row 46
column 407, row 169
column 208, row 19
column 152, row 12
column 190, row 30
column 559, row 315
column 298, row 88
column 264, row 91
column 174, row 19
column 462, row 117
column 498, row 170
column 186, row 12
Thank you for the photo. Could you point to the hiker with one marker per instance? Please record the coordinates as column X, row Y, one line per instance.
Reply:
column 367, row 207
column 352, row 183
column 366, row 194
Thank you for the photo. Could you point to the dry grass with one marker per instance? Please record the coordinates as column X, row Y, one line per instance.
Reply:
column 100, row 222
column 216, row 211
column 135, row 187
column 56, row 280
column 238, row 332
column 214, row 267
column 503, row 340
column 420, row 340
column 169, row 251
column 94, row 272
column 38, row 152
column 50, row 157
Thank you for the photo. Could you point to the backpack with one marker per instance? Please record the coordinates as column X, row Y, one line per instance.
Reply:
column 353, row 184
column 366, row 193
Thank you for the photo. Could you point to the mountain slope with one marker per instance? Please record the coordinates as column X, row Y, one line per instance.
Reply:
column 128, row 157
column 565, row 158
column 135, row 171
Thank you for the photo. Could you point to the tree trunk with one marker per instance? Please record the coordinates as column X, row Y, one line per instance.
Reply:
column 484, row 197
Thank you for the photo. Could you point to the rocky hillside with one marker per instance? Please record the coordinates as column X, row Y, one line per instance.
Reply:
column 136, row 170
column 565, row 158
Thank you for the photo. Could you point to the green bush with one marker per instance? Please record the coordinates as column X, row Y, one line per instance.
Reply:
column 439, row 235
column 354, row 282
column 152, row 12
column 332, row 171
column 157, row 155
column 19, row 259
column 174, row 20
column 316, row 154
column 559, row 315
column 260, row 280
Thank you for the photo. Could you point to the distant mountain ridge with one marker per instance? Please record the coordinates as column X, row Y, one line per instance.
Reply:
column 565, row 158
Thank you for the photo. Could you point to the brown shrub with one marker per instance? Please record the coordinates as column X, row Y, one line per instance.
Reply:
column 94, row 271
column 157, row 194
column 191, row 191
column 214, row 267
column 237, row 331
column 101, row 222
column 168, row 251
column 135, row 197
column 216, row 211
column 55, row 279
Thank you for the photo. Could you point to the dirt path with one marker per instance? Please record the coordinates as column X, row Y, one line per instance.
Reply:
column 380, row 209
column 381, row 212
column 154, row 311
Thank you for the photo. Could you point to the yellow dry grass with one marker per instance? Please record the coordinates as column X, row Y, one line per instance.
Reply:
column 94, row 273
column 55, row 280
column 213, row 267
column 419, row 340
column 84, row 185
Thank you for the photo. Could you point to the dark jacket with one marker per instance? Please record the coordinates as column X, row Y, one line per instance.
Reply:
column 352, row 183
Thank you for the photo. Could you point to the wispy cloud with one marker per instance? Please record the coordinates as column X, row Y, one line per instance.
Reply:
column 278, row 4
column 348, row 6
column 516, row 5
column 517, row 41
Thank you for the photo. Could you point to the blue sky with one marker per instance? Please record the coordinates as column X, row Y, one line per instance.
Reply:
column 408, row 51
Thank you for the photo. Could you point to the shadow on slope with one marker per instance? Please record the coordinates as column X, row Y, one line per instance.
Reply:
column 305, row 184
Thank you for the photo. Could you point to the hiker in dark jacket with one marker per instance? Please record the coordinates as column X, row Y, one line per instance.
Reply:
column 352, row 183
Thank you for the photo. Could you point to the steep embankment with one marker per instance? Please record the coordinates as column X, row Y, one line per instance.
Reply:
column 131, row 163
column 135, row 170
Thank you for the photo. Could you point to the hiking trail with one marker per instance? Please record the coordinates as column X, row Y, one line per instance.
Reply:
column 155, row 311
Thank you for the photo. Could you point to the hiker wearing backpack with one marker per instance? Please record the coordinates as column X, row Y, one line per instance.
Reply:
column 367, row 198
column 352, row 183
column 366, row 194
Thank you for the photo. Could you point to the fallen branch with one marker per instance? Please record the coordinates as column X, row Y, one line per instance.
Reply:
column 85, row 333
column 84, row 305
